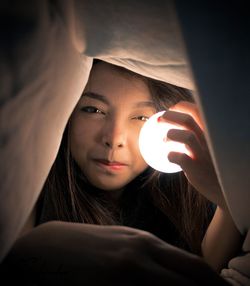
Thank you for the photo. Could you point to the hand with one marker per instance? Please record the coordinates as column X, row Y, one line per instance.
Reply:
column 61, row 253
column 198, row 167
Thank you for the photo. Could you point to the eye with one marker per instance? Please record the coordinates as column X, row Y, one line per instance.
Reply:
column 141, row 118
column 91, row 109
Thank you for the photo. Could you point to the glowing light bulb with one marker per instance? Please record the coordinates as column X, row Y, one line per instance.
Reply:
column 155, row 146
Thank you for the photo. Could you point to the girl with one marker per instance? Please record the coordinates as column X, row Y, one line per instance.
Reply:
column 99, row 176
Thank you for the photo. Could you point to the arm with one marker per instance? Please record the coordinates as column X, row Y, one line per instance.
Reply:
column 222, row 238
column 82, row 254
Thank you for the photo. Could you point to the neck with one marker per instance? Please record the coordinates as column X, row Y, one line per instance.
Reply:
column 114, row 195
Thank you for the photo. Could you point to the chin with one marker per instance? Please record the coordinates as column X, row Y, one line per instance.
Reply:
column 109, row 187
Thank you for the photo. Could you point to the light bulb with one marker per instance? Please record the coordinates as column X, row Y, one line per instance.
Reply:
column 155, row 146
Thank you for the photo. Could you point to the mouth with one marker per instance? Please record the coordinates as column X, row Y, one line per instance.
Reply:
column 110, row 165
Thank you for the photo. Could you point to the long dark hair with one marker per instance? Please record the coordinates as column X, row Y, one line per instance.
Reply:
column 68, row 196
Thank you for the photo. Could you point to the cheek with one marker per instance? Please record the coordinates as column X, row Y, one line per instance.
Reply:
column 138, row 159
column 81, row 136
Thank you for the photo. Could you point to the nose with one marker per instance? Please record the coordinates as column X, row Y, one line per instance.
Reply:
column 114, row 135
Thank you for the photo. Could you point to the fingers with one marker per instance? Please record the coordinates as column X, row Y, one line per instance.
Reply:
column 189, row 108
column 198, row 167
column 185, row 120
column 182, row 160
column 188, row 138
column 186, row 115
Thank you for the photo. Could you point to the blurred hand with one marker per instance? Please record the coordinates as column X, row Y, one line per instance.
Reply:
column 198, row 167
column 61, row 253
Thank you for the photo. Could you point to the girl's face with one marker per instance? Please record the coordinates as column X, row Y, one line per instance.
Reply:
column 105, row 126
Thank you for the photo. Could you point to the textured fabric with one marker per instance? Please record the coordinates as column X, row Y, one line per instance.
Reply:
column 41, row 79
column 238, row 271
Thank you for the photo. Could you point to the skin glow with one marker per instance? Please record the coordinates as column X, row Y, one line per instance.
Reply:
column 155, row 146
column 111, row 112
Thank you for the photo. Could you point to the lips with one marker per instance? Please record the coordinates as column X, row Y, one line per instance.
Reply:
column 110, row 165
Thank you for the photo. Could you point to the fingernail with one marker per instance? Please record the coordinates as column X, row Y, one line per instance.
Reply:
column 159, row 119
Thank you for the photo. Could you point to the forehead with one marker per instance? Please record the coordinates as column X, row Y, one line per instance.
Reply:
column 114, row 84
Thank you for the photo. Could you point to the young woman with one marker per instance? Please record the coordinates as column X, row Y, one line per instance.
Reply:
column 99, row 176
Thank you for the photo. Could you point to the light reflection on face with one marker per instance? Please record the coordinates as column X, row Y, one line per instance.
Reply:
column 105, row 126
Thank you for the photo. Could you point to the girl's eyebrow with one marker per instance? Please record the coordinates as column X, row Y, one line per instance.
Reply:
column 144, row 104
column 96, row 96
column 102, row 98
